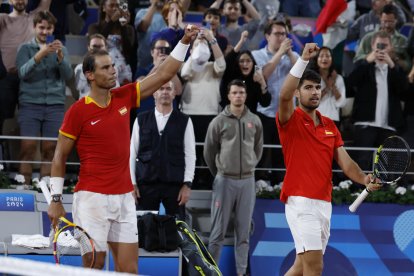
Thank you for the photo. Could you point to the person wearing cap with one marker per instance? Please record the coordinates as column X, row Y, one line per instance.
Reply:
column 201, row 96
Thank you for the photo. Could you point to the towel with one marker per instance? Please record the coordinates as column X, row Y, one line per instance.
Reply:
column 31, row 241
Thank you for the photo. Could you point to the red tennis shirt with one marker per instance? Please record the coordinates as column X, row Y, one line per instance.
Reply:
column 308, row 153
column 102, row 137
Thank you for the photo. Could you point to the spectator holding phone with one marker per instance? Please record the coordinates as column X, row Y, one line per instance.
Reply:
column 378, row 83
column 15, row 28
column 388, row 21
column 211, row 21
column 113, row 25
column 43, row 67
column 201, row 95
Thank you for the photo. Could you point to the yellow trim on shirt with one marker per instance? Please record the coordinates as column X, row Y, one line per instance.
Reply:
column 67, row 135
column 138, row 88
column 89, row 100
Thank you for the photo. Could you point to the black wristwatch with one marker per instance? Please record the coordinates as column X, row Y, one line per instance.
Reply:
column 56, row 198
column 188, row 184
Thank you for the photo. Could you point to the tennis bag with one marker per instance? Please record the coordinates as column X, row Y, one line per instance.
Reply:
column 157, row 232
column 198, row 259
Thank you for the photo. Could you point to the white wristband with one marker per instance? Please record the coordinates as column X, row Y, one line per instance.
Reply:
column 180, row 51
column 299, row 67
column 56, row 185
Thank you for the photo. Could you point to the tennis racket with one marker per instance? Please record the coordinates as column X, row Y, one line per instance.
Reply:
column 391, row 162
column 69, row 238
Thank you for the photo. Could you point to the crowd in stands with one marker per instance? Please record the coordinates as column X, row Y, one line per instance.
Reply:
column 249, row 40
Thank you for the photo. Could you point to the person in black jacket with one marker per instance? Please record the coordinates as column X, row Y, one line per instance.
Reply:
column 162, row 155
column 378, row 83
column 241, row 65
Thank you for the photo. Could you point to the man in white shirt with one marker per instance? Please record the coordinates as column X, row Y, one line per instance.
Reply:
column 162, row 155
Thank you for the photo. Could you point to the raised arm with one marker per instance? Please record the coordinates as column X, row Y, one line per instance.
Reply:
column 216, row 4
column 250, row 9
column 284, row 48
column 243, row 38
column 43, row 5
column 170, row 66
column 290, row 85
column 147, row 19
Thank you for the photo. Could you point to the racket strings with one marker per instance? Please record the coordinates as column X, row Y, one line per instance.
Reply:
column 392, row 160
column 86, row 244
column 73, row 241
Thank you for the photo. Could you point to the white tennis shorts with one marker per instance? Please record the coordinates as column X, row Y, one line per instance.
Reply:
column 106, row 218
column 309, row 221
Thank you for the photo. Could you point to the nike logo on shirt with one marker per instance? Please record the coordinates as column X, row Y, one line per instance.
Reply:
column 94, row 122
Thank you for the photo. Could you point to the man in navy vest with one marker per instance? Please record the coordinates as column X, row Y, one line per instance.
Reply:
column 162, row 158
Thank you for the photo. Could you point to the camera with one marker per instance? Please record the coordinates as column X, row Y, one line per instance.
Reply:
column 123, row 5
column 381, row 46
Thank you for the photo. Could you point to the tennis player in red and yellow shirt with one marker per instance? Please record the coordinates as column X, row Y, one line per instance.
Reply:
column 98, row 126
column 310, row 143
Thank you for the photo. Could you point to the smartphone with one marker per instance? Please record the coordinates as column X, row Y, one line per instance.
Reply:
column 258, row 69
column 50, row 39
column 381, row 46
column 207, row 25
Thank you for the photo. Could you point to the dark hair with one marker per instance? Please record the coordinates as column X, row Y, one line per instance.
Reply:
column 309, row 75
column 44, row 15
column 283, row 17
column 390, row 9
column 92, row 36
column 101, row 12
column 88, row 64
column 212, row 11
column 269, row 26
column 236, row 82
column 231, row 2
column 237, row 69
column 313, row 64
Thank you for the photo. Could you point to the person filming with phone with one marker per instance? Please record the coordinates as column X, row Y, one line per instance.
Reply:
column 43, row 67
column 377, row 84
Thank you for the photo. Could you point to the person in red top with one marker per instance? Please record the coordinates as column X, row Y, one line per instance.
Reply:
column 98, row 125
column 310, row 142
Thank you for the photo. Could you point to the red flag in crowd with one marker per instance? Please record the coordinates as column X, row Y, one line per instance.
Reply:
column 329, row 14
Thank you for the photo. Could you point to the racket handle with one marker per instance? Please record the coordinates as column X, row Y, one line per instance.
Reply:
column 45, row 191
column 359, row 200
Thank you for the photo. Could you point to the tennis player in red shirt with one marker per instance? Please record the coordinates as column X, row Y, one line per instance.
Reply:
column 98, row 125
column 310, row 142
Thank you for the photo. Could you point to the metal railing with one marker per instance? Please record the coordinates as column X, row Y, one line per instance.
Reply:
column 198, row 144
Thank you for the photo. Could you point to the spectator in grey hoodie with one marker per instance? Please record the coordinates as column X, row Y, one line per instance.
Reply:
column 232, row 149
